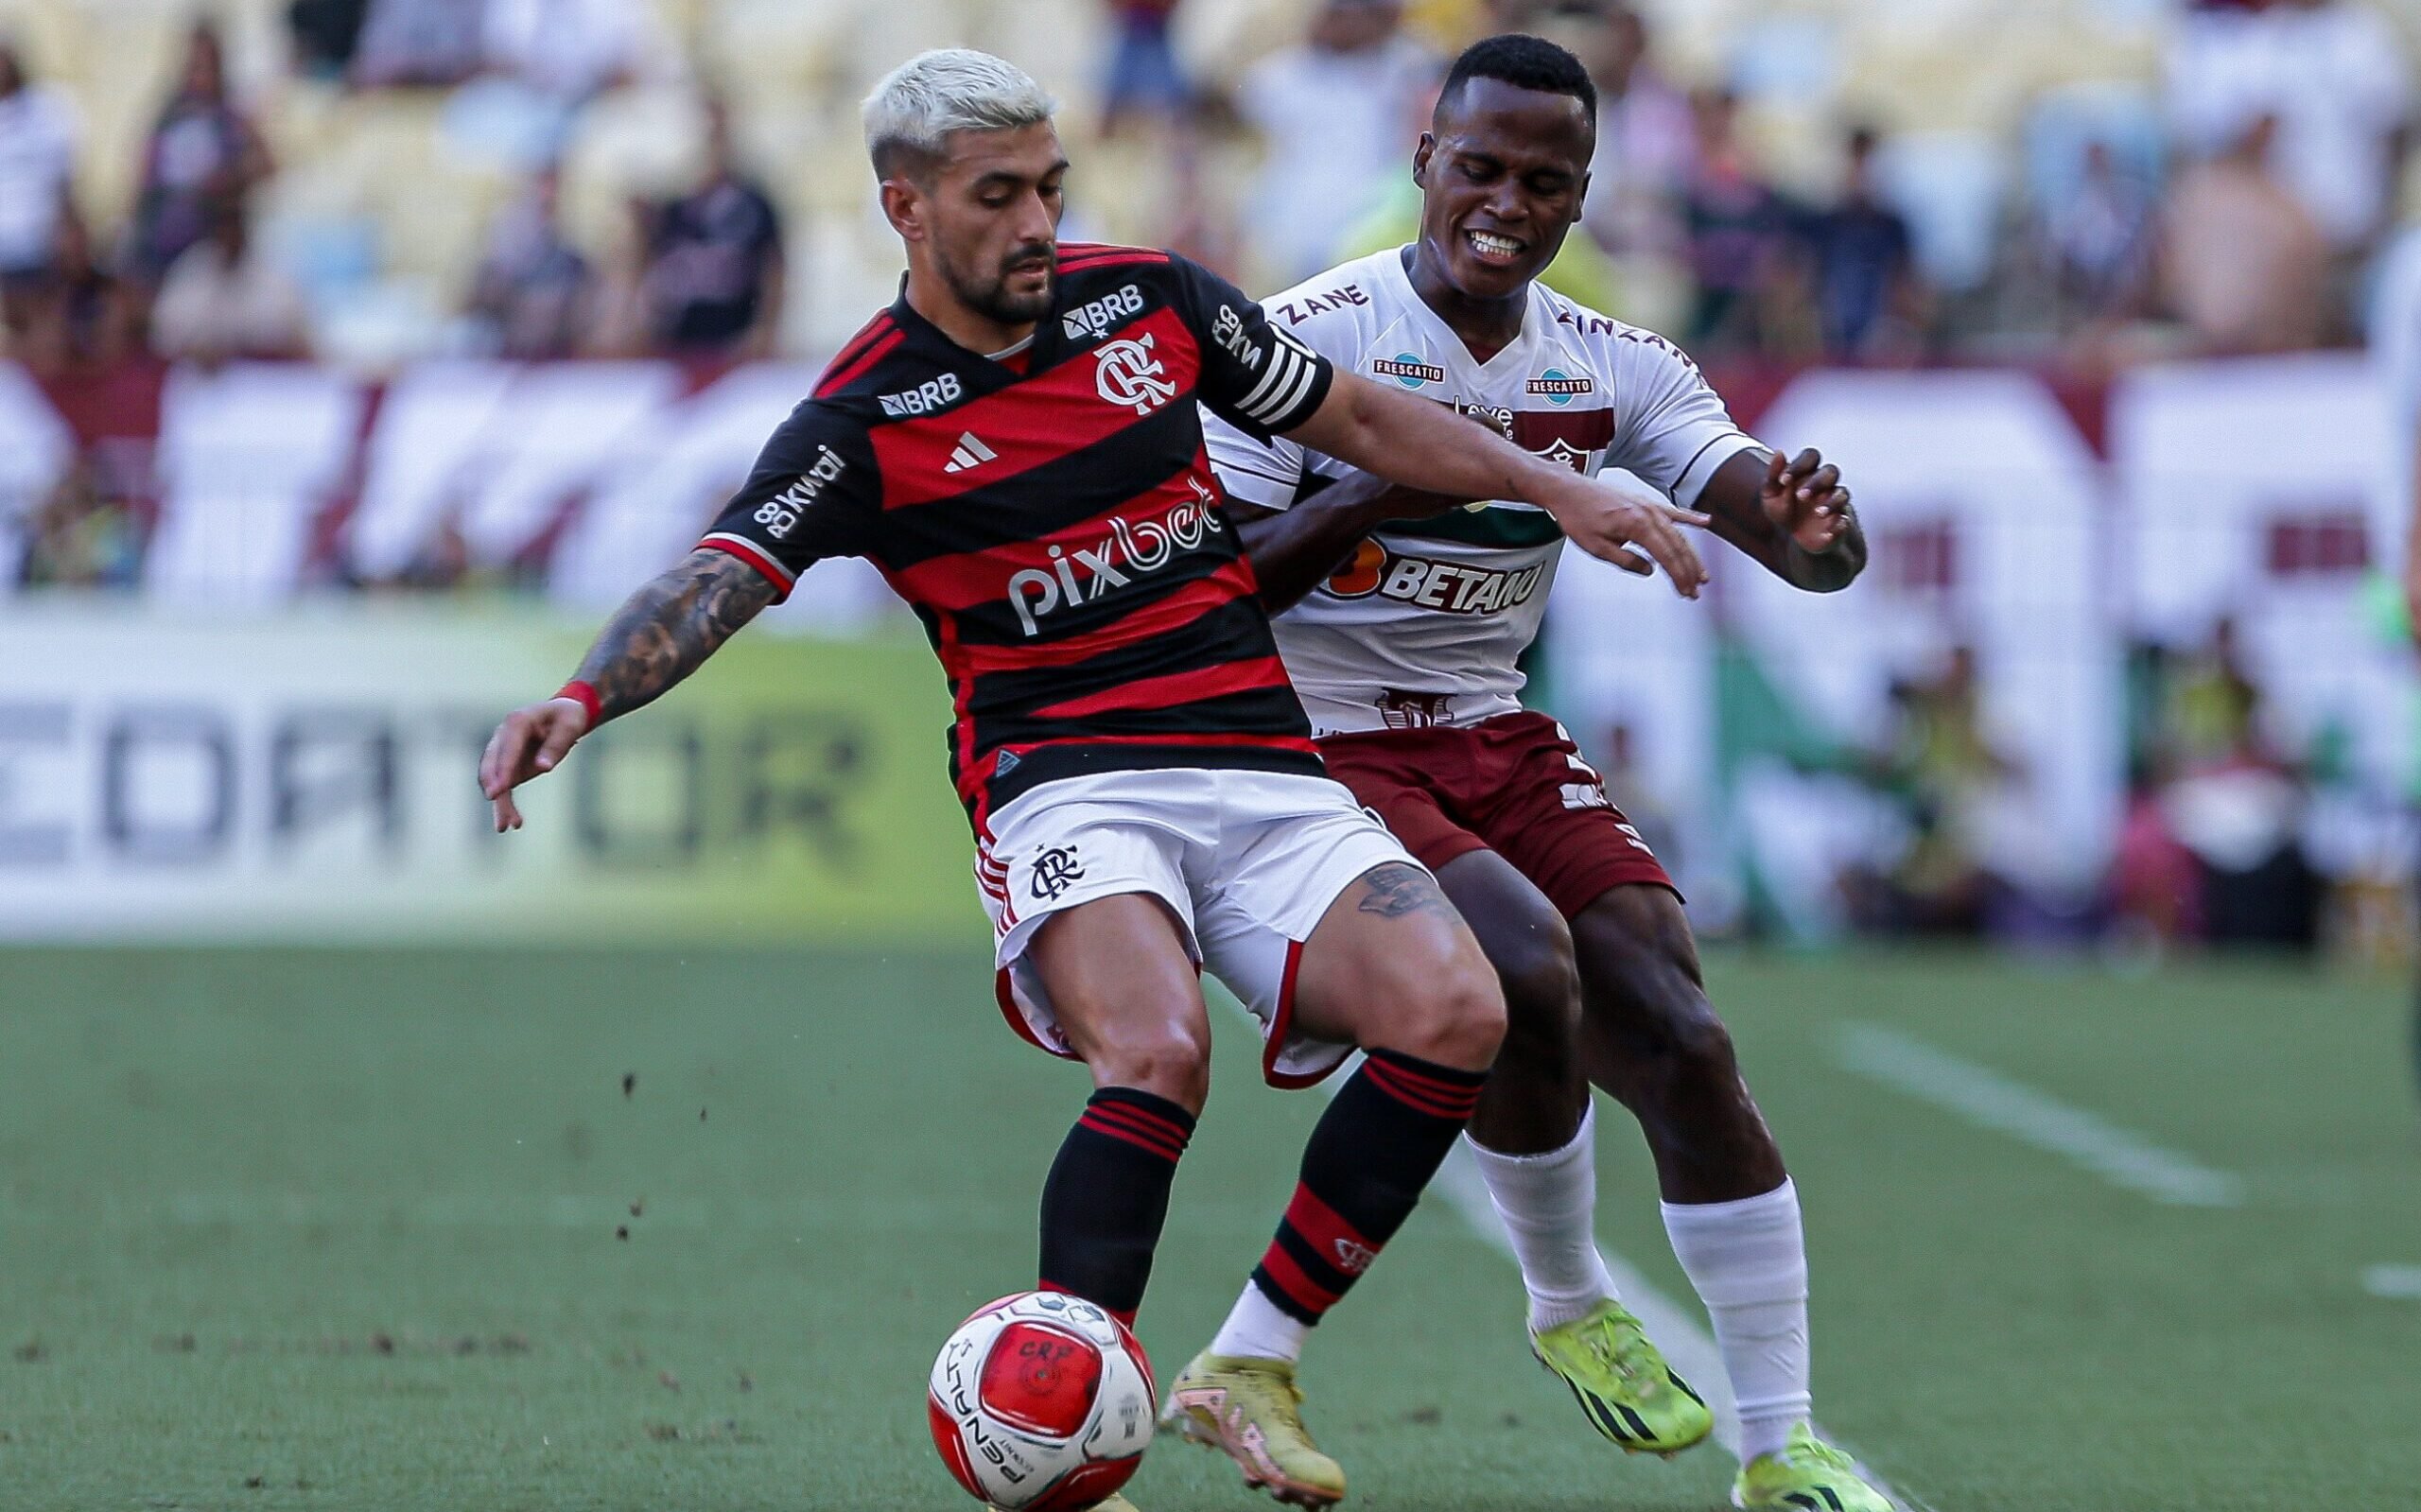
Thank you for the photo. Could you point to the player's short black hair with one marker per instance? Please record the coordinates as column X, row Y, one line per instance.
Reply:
column 1524, row 63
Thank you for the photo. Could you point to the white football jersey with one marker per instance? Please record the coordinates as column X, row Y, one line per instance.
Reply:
column 1424, row 625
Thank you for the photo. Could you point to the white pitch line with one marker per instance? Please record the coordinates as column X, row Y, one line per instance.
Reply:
column 2398, row 1283
column 1677, row 1331
column 1989, row 1100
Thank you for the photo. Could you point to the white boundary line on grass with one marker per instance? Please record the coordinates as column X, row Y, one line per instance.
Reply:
column 1677, row 1331
column 1989, row 1100
column 2398, row 1283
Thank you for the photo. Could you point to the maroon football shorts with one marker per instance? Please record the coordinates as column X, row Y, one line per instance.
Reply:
column 1515, row 784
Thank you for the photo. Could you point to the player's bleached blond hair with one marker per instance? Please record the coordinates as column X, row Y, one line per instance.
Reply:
column 917, row 105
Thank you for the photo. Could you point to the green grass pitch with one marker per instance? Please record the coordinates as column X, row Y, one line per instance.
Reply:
column 338, row 1231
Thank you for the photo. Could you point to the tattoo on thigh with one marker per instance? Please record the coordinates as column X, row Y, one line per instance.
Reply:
column 1396, row 890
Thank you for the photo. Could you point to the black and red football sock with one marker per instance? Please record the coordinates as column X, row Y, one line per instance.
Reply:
column 1381, row 1139
column 1108, row 1196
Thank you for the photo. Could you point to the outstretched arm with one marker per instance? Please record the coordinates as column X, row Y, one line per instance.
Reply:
column 1412, row 441
column 1293, row 550
column 661, row 634
column 1792, row 516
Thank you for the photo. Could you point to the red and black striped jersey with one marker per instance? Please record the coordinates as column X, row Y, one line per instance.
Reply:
column 1052, row 518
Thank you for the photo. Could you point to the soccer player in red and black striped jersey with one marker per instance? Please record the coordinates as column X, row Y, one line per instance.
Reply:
column 1016, row 444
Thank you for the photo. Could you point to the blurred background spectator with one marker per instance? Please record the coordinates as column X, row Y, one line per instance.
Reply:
column 323, row 34
column 1647, row 138
column 37, row 161
column 2099, row 241
column 420, row 41
column 1349, row 87
column 571, row 50
column 1869, row 302
column 1738, row 227
column 1946, row 775
column 2243, row 262
column 85, row 536
column 2335, row 76
column 225, row 298
column 2099, row 184
column 2214, row 848
column 534, row 294
column 202, row 153
column 714, row 279
column 1143, row 76
column 77, row 322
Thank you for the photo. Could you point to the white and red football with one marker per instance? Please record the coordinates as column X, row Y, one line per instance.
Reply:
column 1041, row 1403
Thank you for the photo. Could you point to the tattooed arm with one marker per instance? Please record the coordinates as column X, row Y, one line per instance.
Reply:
column 668, row 629
column 665, row 631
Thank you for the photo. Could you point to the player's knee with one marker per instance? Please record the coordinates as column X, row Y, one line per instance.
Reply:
column 1453, row 1009
column 1168, row 1055
column 1541, row 981
column 1692, row 1037
column 1647, row 986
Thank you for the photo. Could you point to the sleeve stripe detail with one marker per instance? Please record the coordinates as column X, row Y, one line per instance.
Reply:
column 755, row 555
column 1682, row 478
column 841, row 378
column 1289, row 375
column 1225, row 465
column 1104, row 254
column 867, row 334
column 1285, row 346
column 1281, row 362
column 1307, row 373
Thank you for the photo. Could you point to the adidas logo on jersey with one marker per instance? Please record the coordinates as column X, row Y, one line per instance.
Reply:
column 968, row 453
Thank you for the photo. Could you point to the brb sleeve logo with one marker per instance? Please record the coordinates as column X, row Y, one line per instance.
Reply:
column 1127, row 374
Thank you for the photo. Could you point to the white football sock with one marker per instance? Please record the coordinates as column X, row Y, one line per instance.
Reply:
column 1549, row 1206
column 1750, row 1265
column 1256, row 1329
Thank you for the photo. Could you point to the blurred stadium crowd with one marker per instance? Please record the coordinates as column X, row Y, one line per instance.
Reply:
column 437, row 201
column 2086, row 182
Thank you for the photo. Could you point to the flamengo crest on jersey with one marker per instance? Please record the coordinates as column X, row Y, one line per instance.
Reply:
column 1424, row 623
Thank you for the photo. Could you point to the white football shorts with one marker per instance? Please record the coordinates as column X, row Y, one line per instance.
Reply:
column 1247, row 861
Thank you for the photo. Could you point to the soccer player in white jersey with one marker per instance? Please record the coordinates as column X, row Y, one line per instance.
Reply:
column 1402, row 645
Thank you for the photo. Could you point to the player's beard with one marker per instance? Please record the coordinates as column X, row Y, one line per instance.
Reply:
column 989, row 295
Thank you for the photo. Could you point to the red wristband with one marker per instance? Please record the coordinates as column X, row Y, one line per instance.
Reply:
column 586, row 696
